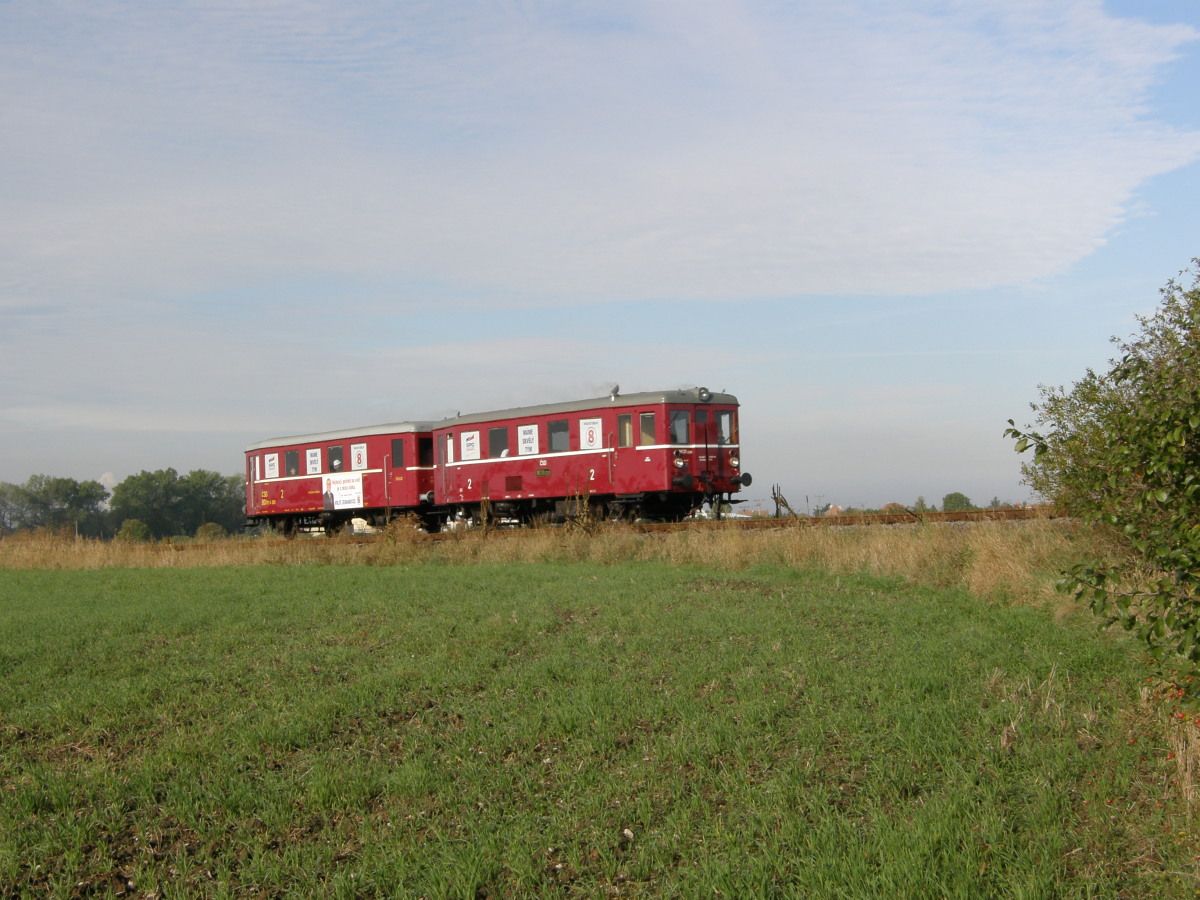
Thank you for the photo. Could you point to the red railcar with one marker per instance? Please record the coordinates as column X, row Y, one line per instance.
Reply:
column 652, row 455
column 657, row 455
column 324, row 480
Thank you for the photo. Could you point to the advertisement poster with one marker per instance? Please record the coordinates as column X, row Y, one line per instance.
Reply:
column 527, row 440
column 272, row 465
column 470, row 445
column 358, row 456
column 313, row 462
column 343, row 491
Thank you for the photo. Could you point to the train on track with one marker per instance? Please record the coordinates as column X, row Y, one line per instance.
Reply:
column 657, row 456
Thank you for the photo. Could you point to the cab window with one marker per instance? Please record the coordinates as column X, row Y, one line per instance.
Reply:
column 397, row 453
column 679, row 427
column 726, row 429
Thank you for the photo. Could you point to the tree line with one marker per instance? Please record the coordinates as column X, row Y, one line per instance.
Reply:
column 155, row 504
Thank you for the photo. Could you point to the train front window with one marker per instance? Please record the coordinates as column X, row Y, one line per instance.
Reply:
column 647, row 429
column 679, row 427
column 725, row 428
column 397, row 453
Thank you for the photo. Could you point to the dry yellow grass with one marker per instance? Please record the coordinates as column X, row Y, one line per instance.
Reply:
column 1017, row 561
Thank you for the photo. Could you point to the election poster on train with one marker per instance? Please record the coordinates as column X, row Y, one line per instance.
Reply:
column 527, row 440
column 470, row 445
column 312, row 461
column 358, row 456
column 590, row 435
column 272, row 463
column 343, row 491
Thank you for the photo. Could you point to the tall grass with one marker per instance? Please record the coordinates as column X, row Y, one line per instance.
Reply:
column 1016, row 561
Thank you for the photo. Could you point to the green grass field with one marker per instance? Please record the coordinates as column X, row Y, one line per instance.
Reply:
column 548, row 729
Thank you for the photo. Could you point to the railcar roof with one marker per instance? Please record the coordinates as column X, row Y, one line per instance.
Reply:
column 615, row 401
column 326, row 436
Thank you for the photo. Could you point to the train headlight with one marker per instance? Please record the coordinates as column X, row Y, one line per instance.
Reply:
column 679, row 463
column 734, row 461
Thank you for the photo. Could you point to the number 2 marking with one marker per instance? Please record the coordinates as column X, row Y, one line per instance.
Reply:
column 470, row 481
column 591, row 474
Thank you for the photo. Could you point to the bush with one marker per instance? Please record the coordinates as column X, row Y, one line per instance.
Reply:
column 134, row 531
column 1122, row 449
column 210, row 531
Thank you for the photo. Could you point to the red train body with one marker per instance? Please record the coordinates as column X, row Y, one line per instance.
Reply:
column 646, row 455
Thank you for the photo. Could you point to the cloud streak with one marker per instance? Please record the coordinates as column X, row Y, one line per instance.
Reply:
column 698, row 151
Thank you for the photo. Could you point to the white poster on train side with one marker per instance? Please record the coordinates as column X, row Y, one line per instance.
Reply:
column 312, row 460
column 358, row 457
column 470, row 445
column 590, row 435
column 271, row 461
column 343, row 491
column 527, row 440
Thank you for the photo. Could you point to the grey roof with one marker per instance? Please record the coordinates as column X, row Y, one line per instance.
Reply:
column 326, row 436
column 616, row 401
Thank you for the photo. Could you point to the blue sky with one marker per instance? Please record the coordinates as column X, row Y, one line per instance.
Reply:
column 881, row 225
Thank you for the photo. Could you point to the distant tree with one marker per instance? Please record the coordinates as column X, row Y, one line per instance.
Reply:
column 13, row 507
column 956, row 502
column 173, row 505
column 47, row 502
column 211, row 497
column 153, row 498
column 920, row 506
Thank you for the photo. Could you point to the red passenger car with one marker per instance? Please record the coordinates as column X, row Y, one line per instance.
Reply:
column 324, row 480
column 655, row 455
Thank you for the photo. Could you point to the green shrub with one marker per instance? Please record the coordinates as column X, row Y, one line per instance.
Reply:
column 133, row 531
column 1122, row 449
column 210, row 531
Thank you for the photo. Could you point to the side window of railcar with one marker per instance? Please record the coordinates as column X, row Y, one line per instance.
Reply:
column 679, row 426
column 333, row 458
column 725, row 433
column 649, row 433
column 498, row 442
column 560, row 436
column 291, row 462
column 425, row 452
column 625, row 430
column 397, row 453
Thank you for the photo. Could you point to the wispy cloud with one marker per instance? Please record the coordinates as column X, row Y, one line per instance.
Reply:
column 675, row 150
